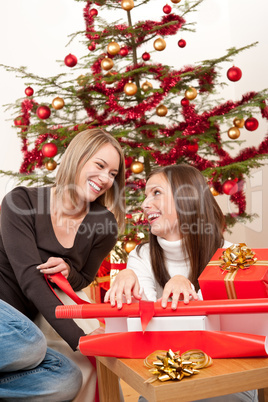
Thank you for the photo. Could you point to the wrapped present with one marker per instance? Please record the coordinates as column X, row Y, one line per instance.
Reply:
column 95, row 291
column 106, row 273
column 237, row 272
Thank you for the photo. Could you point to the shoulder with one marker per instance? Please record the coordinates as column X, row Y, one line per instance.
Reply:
column 142, row 252
column 102, row 222
column 19, row 195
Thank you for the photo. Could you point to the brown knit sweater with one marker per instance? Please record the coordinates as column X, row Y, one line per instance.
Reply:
column 27, row 239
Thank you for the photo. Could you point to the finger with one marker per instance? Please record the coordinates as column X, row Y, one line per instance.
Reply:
column 119, row 300
column 186, row 297
column 107, row 296
column 111, row 296
column 136, row 291
column 165, row 297
column 175, row 299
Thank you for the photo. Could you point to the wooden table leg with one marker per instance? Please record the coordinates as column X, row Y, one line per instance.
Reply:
column 108, row 384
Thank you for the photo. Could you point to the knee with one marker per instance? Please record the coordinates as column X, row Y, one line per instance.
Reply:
column 66, row 376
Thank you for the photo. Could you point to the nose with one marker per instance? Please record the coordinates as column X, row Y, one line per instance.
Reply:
column 104, row 177
column 145, row 203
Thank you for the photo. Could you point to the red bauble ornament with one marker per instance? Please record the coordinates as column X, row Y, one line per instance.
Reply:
column 123, row 51
column 182, row 43
column 146, row 56
column 234, row 73
column 43, row 112
column 70, row 60
column 49, row 150
column 230, row 187
column 185, row 102
column 251, row 124
column 128, row 161
column 29, row 91
column 93, row 12
column 92, row 46
column 20, row 121
column 193, row 148
column 167, row 9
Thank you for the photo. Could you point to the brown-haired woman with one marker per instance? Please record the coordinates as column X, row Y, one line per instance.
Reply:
column 186, row 228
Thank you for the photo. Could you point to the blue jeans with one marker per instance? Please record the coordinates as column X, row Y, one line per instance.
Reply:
column 29, row 371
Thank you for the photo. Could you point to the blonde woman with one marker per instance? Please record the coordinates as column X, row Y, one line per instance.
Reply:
column 68, row 228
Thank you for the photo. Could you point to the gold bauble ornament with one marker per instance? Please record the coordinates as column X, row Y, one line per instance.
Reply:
column 81, row 80
column 107, row 64
column 113, row 48
column 146, row 86
column 239, row 123
column 129, row 245
column 213, row 191
column 233, row 133
column 130, row 88
column 161, row 110
column 51, row 164
column 190, row 93
column 136, row 167
column 159, row 44
column 58, row 103
column 175, row 1
column 127, row 4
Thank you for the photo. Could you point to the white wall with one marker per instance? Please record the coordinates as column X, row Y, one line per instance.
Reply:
column 35, row 34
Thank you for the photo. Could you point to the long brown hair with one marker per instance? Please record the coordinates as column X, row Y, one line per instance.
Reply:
column 82, row 147
column 201, row 221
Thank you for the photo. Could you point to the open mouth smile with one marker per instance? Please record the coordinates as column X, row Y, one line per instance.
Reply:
column 153, row 217
column 94, row 186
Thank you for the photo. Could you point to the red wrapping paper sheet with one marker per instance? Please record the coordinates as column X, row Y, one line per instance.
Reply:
column 247, row 283
column 138, row 345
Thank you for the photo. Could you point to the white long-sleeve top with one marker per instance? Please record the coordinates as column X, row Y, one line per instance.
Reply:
column 177, row 263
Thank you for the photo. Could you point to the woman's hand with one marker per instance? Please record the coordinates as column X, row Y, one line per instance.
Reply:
column 126, row 283
column 54, row 265
column 176, row 287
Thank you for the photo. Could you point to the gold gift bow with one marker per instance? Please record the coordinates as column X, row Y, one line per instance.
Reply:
column 173, row 366
column 235, row 257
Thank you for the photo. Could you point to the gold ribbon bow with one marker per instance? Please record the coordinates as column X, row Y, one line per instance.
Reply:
column 173, row 366
column 237, row 256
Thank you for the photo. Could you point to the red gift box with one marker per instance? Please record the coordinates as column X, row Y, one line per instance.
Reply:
column 246, row 283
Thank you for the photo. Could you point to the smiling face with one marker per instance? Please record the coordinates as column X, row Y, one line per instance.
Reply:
column 98, row 173
column 159, row 208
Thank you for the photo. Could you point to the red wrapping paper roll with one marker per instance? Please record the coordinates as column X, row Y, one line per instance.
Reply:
column 201, row 307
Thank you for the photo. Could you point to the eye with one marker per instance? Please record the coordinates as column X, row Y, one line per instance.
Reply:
column 113, row 174
column 100, row 165
column 156, row 192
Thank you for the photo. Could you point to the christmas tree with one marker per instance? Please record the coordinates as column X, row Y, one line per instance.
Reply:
column 160, row 115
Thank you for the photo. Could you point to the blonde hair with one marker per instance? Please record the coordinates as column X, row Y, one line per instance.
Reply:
column 82, row 147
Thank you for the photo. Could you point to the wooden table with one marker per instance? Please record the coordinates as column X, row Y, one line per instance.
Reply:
column 225, row 376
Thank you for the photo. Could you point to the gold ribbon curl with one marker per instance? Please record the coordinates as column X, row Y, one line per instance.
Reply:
column 176, row 366
column 237, row 256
